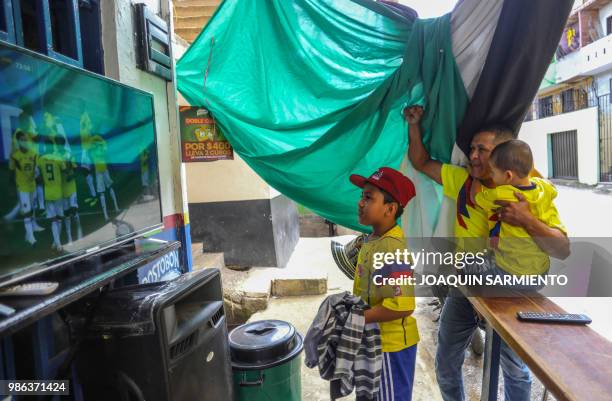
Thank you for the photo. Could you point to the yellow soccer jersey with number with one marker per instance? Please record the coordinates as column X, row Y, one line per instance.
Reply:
column 24, row 166
column 51, row 168
column 515, row 251
column 399, row 334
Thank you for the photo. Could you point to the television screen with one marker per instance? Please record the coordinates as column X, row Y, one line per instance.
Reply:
column 78, row 162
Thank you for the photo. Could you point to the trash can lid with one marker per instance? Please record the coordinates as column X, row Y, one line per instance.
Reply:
column 263, row 344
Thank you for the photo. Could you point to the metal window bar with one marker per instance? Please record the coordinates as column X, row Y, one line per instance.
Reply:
column 579, row 99
column 605, row 138
column 565, row 155
column 573, row 99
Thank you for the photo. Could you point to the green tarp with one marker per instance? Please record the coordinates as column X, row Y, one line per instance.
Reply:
column 550, row 79
column 310, row 91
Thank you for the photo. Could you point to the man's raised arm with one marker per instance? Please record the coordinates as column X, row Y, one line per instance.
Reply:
column 417, row 154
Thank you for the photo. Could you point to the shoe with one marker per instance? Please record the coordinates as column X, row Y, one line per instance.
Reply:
column 37, row 228
column 31, row 240
column 9, row 217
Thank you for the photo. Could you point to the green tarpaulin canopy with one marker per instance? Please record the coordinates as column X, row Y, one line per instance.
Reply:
column 310, row 91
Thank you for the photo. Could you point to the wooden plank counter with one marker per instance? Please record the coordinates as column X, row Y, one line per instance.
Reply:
column 573, row 362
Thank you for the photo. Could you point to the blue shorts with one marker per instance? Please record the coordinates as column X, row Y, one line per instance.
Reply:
column 398, row 375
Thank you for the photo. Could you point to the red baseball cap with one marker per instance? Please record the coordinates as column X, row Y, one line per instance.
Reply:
column 390, row 180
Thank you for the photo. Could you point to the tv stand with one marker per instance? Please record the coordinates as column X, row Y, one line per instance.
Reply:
column 82, row 277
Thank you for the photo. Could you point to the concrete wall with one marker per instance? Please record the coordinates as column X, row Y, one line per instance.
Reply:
column 254, row 232
column 536, row 133
column 602, row 83
column 232, row 210
column 119, row 46
column 604, row 13
column 224, row 180
column 120, row 64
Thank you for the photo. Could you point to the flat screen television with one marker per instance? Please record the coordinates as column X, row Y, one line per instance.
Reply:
column 78, row 163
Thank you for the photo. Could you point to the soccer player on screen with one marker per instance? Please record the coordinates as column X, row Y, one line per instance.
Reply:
column 27, row 123
column 69, row 189
column 103, row 179
column 27, row 127
column 23, row 164
column 51, row 169
column 86, row 164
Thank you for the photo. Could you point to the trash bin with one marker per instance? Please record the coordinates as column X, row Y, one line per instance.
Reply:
column 266, row 362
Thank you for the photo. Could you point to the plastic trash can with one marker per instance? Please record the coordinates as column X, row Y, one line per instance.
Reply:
column 266, row 361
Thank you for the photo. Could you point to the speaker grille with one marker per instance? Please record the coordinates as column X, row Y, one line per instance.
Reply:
column 217, row 317
column 183, row 346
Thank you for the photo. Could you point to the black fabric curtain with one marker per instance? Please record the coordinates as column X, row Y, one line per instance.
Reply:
column 525, row 40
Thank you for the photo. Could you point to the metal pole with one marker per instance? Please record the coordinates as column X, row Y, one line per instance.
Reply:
column 490, row 374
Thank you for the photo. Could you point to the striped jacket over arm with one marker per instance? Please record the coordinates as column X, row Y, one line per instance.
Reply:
column 345, row 349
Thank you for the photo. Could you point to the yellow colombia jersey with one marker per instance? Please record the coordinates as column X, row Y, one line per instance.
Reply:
column 51, row 166
column 398, row 334
column 515, row 251
column 470, row 221
column 24, row 166
column 68, row 177
column 97, row 150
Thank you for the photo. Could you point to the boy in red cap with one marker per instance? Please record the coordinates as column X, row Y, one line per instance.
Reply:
column 384, row 196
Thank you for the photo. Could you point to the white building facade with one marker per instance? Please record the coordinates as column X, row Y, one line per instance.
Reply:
column 569, row 125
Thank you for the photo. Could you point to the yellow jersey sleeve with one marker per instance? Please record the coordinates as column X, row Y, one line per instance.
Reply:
column 550, row 214
column 453, row 178
column 552, row 220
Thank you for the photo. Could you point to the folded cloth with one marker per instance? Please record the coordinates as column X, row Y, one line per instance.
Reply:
column 346, row 350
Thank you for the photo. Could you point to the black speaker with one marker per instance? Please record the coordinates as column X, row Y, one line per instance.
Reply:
column 158, row 342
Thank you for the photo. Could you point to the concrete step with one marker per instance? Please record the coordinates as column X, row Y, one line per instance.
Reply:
column 204, row 260
column 287, row 287
column 196, row 248
column 244, row 293
column 189, row 34
column 209, row 260
column 196, row 3
column 191, row 22
column 193, row 11
column 188, row 38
